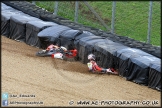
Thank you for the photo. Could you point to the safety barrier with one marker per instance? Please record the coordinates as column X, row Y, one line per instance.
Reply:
column 32, row 30
column 38, row 12
column 133, row 64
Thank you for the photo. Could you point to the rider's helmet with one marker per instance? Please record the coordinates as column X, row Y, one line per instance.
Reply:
column 91, row 57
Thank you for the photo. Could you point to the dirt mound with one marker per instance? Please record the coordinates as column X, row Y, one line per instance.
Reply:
column 42, row 81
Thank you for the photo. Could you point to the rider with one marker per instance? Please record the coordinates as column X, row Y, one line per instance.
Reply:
column 51, row 47
column 93, row 67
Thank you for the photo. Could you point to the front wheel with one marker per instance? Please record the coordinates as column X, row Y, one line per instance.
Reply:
column 41, row 53
column 64, row 57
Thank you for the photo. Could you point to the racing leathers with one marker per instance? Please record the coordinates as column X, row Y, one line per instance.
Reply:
column 93, row 67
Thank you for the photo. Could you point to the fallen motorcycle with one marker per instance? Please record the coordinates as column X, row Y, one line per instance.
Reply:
column 44, row 53
column 59, row 52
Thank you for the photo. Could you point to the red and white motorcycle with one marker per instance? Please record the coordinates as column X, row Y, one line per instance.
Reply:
column 58, row 52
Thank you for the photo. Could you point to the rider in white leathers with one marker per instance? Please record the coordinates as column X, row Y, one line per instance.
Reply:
column 93, row 67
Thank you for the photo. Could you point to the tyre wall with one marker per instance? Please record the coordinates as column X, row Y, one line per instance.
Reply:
column 134, row 64
column 32, row 30
column 51, row 35
column 18, row 26
column 38, row 12
column 86, row 46
column 6, row 13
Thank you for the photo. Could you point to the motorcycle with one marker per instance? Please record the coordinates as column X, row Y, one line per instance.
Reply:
column 61, row 53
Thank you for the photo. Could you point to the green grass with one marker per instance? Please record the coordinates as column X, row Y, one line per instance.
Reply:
column 131, row 18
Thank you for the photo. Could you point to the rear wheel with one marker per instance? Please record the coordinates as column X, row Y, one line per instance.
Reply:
column 76, row 58
column 64, row 58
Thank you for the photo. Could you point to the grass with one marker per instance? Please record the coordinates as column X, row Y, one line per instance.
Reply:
column 131, row 17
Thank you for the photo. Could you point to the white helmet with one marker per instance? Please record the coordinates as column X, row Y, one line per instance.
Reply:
column 63, row 48
column 91, row 57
